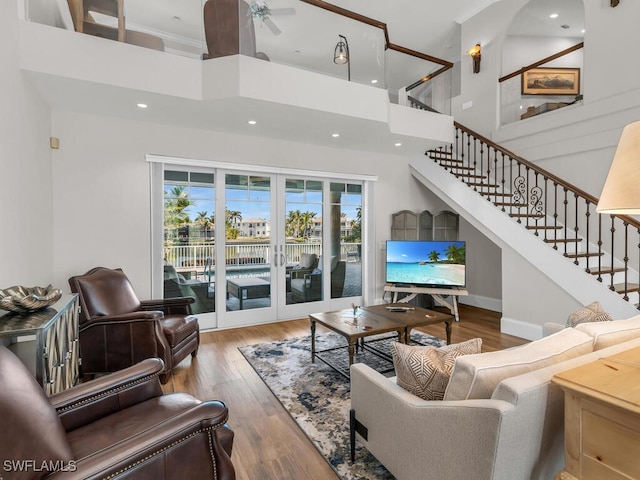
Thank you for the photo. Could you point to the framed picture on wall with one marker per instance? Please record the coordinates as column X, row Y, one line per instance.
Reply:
column 551, row 81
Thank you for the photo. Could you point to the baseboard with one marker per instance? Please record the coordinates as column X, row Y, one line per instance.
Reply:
column 488, row 303
column 518, row 328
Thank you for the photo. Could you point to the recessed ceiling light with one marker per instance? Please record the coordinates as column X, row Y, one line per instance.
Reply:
column 335, row 135
column 252, row 122
column 374, row 81
column 565, row 26
column 398, row 144
column 553, row 15
column 583, row 30
column 141, row 105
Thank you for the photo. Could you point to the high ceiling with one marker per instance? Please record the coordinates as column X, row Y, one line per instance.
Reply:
column 307, row 40
column 307, row 37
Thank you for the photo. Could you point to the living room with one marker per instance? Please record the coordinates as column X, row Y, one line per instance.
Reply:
column 88, row 202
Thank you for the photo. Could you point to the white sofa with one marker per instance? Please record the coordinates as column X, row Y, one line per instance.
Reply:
column 513, row 431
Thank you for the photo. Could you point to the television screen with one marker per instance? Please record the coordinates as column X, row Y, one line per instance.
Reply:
column 426, row 263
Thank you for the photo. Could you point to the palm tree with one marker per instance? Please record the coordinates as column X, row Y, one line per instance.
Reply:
column 456, row 253
column 175, row 215
column 434, row 256
column 204, row 222
column 232, row 219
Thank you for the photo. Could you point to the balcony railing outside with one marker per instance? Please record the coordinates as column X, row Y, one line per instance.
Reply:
column 562, row 215
column 194, row 260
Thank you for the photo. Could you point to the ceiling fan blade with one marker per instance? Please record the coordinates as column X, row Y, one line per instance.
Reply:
column 272, row 26
column 282, row 11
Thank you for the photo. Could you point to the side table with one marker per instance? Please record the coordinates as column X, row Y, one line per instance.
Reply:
column 54, row 355
column 602, row 418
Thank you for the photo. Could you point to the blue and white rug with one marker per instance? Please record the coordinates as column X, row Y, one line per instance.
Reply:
column 318, row 397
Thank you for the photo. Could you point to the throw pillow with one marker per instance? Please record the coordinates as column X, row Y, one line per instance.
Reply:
column 591, row 313
column 425, row 371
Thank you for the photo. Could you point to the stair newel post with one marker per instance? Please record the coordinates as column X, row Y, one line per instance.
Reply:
column 566, row 218
column 588, row 216
column 503, row 181
column 555, row 214
column 576, row 228
column 626, row 261
column 545, row 208
column 600, row 252
column 613, row 248
column 495, row 172
column 638, row 253
column 527, row 183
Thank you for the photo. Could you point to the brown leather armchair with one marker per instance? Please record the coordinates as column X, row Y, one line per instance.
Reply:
column 118, row 330
column 116, row 426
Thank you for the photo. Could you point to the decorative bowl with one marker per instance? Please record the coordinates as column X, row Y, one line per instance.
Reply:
column 24, row 300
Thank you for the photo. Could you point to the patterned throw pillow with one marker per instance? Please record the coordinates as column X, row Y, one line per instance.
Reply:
column 591, row 313
column 425, row 371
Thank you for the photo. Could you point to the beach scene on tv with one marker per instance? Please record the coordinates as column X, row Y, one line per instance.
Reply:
column 433, row 263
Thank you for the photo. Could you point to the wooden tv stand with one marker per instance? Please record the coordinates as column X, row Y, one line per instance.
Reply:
column 436, row 293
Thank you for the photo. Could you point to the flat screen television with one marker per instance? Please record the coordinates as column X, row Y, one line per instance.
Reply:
column 426, row 263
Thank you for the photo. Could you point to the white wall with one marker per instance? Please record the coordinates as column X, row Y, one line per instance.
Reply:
column 26, row 247
column 101, row 186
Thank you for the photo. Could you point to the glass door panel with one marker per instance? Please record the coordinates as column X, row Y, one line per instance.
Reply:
column 345, row 240
column 303, row 239
column 248, row 256
column 189, row 245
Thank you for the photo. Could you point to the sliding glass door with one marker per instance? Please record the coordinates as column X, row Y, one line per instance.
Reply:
column 254, row 247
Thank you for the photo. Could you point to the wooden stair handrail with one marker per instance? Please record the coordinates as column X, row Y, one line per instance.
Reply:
column 446, row 65
column 572, row 188
column 562, row 53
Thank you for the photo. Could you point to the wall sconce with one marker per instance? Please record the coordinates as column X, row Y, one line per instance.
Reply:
column 620, row 193
column 615, row 3
column 341, row 55
column 475, row 53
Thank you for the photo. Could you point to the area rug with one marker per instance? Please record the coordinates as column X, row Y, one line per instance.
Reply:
column 318, row 397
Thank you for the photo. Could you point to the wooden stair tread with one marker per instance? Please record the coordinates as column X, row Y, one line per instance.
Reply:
column 583, row 255
column 482, row 185
column 631, row 287
column 496, row 194
column 468, row 175
column 526, row 215
column 544, row 227
column 607, row 271
column 457, row 167
column 561, row 240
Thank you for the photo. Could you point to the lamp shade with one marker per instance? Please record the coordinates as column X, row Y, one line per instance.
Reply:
column 621, row 192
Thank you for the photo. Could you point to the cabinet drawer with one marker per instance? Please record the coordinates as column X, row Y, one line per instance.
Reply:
column 609, row 445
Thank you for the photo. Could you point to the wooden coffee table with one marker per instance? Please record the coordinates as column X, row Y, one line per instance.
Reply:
column 371, row 321
column 353, row 329
column 416, row 317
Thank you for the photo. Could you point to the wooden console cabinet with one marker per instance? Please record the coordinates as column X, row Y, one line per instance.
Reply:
column 602, row 419
column 47, row 342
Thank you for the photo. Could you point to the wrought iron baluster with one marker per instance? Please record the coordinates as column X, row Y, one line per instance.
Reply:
column 587, row 216
column 576, row 228
column 613, row 236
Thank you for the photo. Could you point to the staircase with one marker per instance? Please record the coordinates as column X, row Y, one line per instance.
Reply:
column 547, row 220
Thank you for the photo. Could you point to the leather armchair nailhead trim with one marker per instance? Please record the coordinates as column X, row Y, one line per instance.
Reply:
column 106, row 393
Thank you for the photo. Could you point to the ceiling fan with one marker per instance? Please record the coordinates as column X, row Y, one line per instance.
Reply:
column 259, row 10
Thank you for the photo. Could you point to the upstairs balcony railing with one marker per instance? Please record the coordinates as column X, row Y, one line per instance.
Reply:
column 561, row 214
column 299, row 33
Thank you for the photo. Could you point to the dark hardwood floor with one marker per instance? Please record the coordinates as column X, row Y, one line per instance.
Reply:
column 268, row 444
